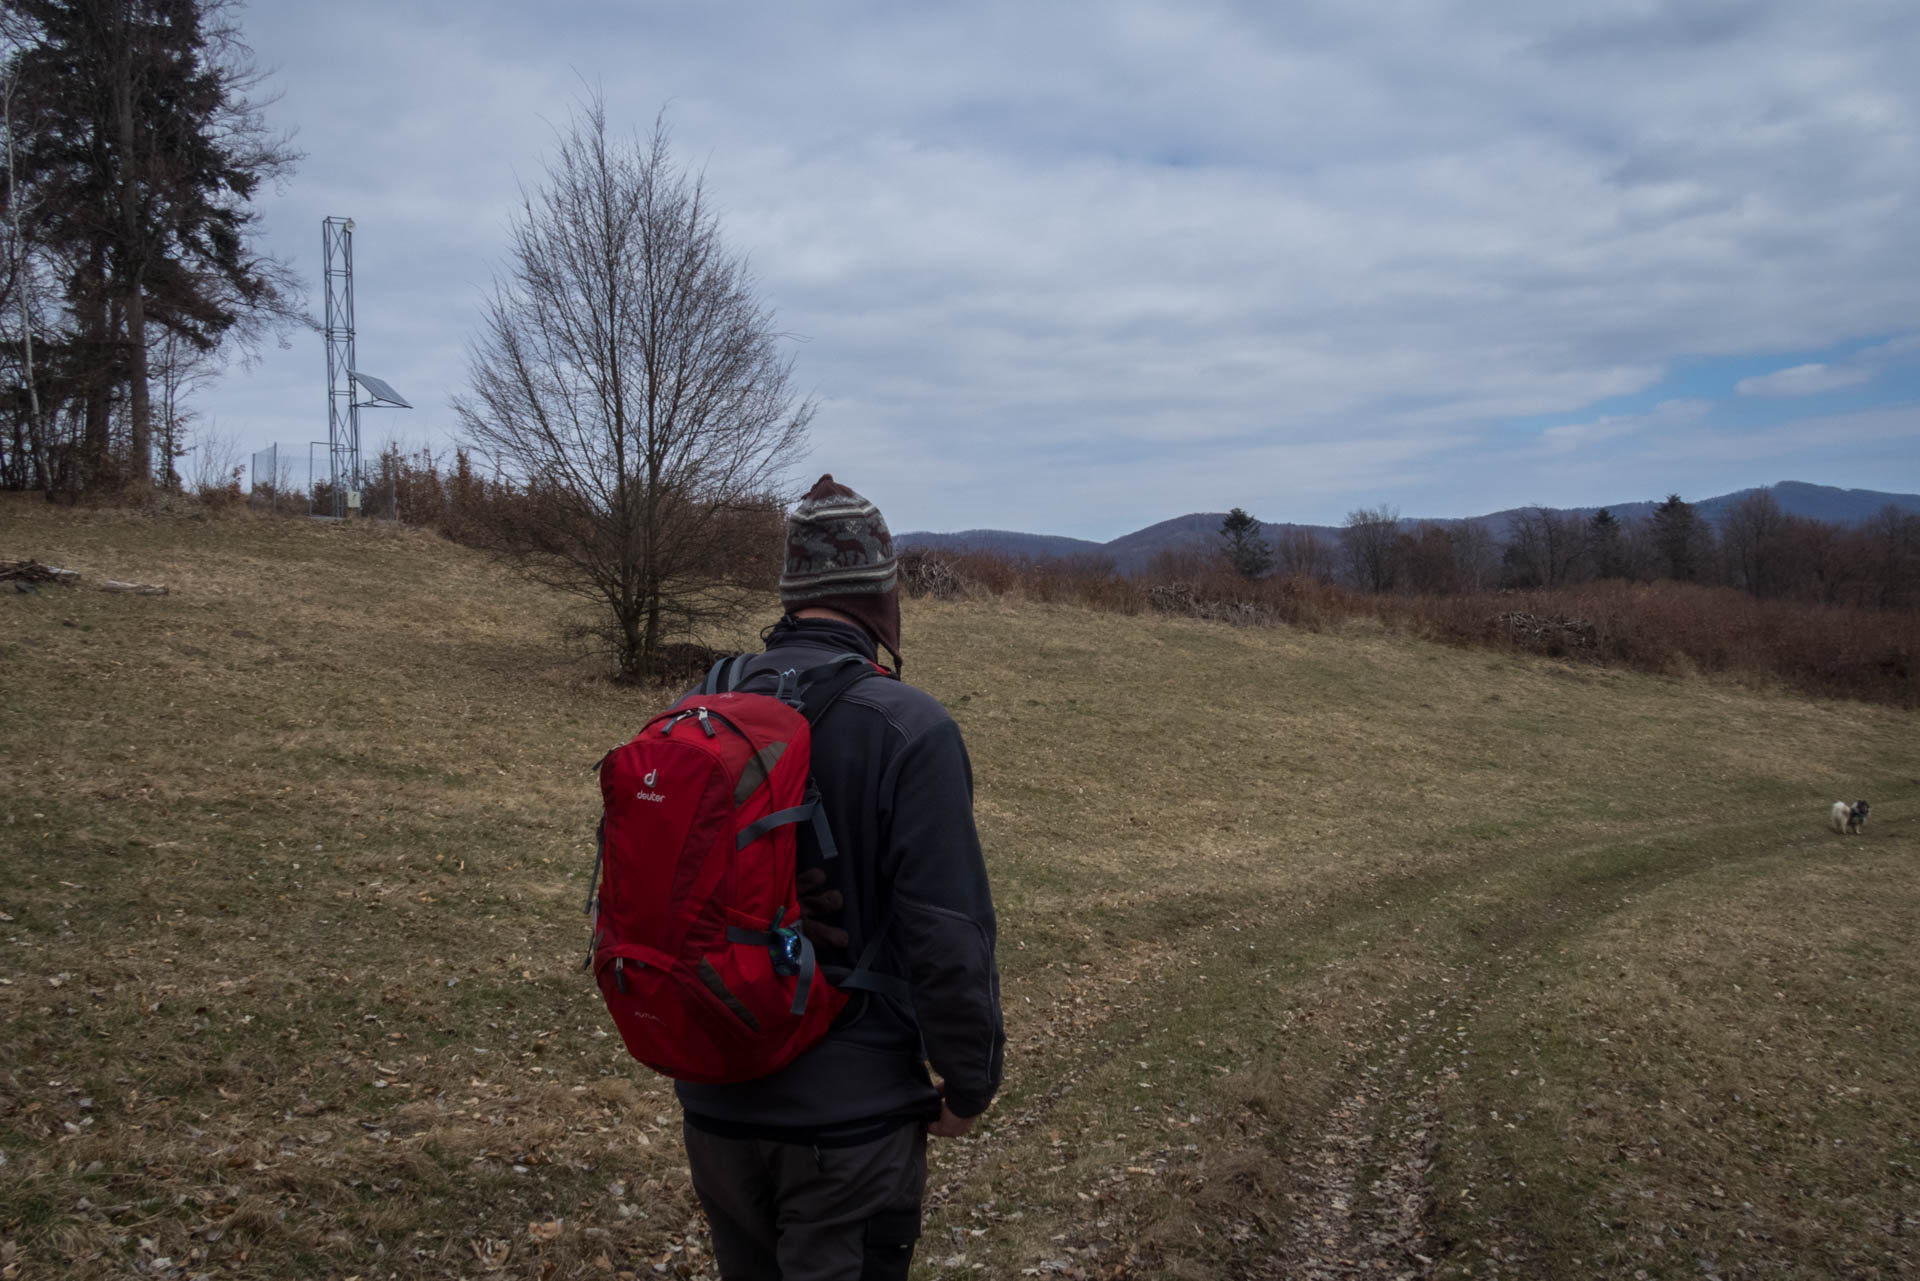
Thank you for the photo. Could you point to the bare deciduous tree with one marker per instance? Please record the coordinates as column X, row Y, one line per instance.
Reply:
column 1432, row 560
column 217, row 456
column 1301, row 553
column 1369, row 539
column 1753, row 537
column 1545, row 548
column 1477, row 555
column 1892, row 546
column 627, row 377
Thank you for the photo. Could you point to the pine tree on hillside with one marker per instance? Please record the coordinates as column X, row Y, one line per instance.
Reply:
column 139, row 151
column 1243, row 547
column 1677, row 535
column 1606, row 546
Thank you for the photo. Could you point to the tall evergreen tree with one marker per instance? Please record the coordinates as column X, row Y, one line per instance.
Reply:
column 142, row 149
column 1242, row 545
column 1606, row 547
column 1677, row 535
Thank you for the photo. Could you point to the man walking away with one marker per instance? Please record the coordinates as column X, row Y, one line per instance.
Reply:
column 816, row 1172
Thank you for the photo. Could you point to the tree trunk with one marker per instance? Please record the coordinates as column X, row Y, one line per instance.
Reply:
column 133, row 265
column 633, row 649
column 140, row 404
column 650, row 645
column 98, row 348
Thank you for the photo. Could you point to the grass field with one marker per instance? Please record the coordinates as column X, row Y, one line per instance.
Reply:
column 1324, row 954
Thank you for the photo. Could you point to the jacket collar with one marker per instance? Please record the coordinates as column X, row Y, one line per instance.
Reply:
column 822, row 633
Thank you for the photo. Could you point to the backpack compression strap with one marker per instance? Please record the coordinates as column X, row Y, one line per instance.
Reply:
column 790, row 948
column 862, row 977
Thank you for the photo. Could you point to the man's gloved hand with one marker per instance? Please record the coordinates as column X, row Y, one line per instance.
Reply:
column 817, row 901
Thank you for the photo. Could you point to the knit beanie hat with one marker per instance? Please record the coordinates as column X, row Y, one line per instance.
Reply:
column 840, row 557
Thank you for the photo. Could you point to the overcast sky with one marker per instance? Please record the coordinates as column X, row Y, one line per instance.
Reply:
column 1077, row 268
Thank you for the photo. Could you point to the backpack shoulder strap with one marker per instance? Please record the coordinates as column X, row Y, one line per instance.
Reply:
column 822, row 686
column 724, row 674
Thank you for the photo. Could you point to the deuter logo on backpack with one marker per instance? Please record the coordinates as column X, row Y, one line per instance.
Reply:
column 696, row 946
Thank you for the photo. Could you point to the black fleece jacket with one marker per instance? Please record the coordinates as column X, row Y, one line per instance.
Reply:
column 898, row 790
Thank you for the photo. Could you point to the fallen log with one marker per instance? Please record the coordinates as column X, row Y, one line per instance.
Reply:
column 142, row 589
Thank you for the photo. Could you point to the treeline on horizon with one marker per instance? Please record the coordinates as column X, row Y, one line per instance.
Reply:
column 1755, row 547
column 1768, row 598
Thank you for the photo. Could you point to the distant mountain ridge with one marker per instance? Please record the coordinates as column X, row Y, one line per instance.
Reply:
column 1132, row 553
column 1003, row 540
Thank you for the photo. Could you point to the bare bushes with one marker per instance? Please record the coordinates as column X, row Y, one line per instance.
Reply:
column 1840, row 651
column 926, row 573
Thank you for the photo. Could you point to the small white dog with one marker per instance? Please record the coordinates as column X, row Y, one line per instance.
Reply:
column 1849, row 819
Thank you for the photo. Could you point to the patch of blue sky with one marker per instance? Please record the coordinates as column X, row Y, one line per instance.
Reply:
column 1715, row 380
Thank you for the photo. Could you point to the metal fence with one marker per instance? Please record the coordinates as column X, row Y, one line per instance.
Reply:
column 296, row 480
column 285, row 476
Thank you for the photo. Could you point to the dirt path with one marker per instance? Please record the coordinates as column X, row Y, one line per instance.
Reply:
column 1359, row 1194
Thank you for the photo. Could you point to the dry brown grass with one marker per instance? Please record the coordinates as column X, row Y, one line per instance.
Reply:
column 1260, row 889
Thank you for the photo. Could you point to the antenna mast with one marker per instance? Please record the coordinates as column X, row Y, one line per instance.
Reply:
column 343, row 414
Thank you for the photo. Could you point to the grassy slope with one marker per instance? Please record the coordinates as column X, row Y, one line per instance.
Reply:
column 1320, row 951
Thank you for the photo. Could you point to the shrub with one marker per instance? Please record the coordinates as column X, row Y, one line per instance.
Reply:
column 1840, row 651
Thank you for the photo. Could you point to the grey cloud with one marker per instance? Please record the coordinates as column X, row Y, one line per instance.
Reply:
column 1673, row 30
column 1155, row 244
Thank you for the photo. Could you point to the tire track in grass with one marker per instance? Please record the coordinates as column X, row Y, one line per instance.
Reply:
column 1386, row 1113
column 1355, row 1186
column 1042, row 1049
column 1343, row 1223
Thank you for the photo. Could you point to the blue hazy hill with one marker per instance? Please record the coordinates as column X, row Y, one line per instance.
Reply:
column 1132, row 553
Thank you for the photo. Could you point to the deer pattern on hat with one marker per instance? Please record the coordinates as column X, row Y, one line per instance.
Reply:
column 837, row 544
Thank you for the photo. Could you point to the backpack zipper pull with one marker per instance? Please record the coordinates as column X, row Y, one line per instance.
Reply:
column 705, row 724
column 620, row 972
column 668, row 727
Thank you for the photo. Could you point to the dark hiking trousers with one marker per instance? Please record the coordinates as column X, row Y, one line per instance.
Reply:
column 794, row 1212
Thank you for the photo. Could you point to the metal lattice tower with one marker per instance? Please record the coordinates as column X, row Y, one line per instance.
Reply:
column 345, row 475
column 343, row 413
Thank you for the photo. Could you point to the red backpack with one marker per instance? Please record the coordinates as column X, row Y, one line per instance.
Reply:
column 697, row 945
